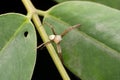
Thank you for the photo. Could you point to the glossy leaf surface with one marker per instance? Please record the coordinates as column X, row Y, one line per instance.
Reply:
column 17, row 47
column 92, row 51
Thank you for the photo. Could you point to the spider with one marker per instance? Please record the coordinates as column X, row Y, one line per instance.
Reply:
column 58, row 38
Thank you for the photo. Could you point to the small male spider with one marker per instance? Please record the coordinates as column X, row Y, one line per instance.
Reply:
column 57, row 38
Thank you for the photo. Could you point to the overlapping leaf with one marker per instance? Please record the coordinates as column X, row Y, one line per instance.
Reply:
column 17, row 47
column 92, row 52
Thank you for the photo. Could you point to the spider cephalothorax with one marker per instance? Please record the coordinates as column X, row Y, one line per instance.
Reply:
column 57, row 38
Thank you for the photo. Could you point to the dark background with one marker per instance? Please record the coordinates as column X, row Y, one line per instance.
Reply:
column 44, row 68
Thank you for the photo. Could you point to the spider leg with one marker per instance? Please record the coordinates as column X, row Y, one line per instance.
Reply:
column 69, row 29
column 52, row 28
column 59, row 52
column 43, row 44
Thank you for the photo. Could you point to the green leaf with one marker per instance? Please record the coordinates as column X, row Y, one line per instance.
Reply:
column 92, row 51
column 17, row 47
column 111, row 3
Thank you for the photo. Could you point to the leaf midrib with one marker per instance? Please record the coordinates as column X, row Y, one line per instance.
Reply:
column 14, row 34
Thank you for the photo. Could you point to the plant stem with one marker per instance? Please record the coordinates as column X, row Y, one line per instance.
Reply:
column 32, row 13
column 51, row 50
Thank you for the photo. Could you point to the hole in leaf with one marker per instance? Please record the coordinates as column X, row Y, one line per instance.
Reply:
column 26, row 33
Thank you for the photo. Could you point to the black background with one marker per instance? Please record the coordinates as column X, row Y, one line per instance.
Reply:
column 44, row 68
